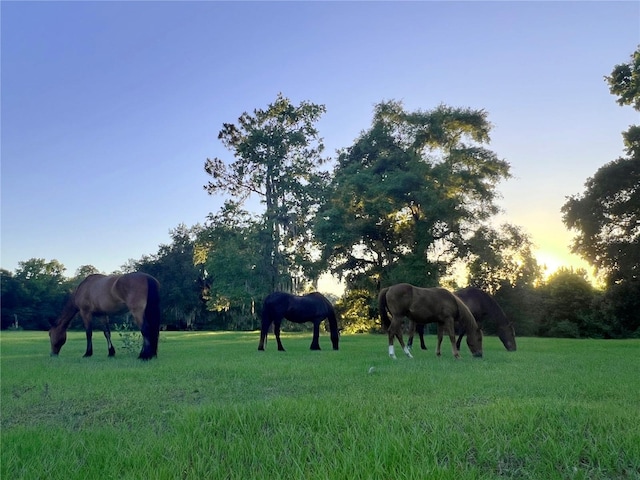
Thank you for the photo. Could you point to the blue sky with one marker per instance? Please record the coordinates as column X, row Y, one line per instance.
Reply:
column 109, row 109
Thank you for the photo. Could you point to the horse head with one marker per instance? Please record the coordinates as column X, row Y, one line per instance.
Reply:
column 474, row 341
column 507, row 336
column 58, row 337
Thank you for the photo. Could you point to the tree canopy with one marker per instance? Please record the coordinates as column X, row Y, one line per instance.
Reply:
column 277, row 155
column 406, row 197
column 606, row 217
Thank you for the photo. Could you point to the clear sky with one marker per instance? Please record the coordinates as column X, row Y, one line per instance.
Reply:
column 109, row 109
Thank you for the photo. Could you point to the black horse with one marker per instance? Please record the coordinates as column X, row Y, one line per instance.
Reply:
column 483, row 307
column 313, row 307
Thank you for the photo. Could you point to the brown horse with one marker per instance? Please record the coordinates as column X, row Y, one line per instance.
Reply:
column 101, row 295
column 313, row 307
column 427, row 305
column 483, row 307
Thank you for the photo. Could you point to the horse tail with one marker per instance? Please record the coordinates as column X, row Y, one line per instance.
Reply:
column 265, row 323
column 382, row 308
column 152, row 314
column 333, row 324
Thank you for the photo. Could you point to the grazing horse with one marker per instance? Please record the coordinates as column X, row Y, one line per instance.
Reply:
column 102, row 295
column 483, row 307
column 313, row 307
column 427, row 305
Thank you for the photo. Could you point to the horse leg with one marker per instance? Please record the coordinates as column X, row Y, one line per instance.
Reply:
column 86, row 318
column 459, row 341
column 438, row 351
column 421, row 334
column 276, row 331
column 392, row 352
column 452, row 336
column 107, row 335
column 398, row 331
column 263, row 337
column 315, row 342
column 148, row 348
column 412, row 332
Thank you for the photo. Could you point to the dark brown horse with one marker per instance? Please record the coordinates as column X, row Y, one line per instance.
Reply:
column 483, row 307
column 313, row 307
column 427, row 305
column 101, row 295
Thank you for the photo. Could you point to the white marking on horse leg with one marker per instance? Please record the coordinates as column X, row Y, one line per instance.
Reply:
column 392, row 352
column 408, row 352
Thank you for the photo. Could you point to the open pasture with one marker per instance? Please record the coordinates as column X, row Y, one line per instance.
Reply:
column 212, row 406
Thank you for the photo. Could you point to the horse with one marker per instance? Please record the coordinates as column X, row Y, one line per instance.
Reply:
column 483, row 307
column 426, row 305
column 312, row 307
column 102, row 295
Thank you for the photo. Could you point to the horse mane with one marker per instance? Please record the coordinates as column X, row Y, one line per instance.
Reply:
column 465, row 316
column 495, row 310
column 68, row 311
column 490, row 307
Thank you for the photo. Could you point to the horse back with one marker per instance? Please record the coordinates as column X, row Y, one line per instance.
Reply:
column 93, row 295
column 482, row 305
column 422, row 305
column 112, row 294
column 310, row 307
column 132, row 289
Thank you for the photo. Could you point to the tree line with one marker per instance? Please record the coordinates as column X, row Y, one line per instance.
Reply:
column 413, row 199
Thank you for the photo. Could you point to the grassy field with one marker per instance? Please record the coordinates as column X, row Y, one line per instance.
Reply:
column 212, row 407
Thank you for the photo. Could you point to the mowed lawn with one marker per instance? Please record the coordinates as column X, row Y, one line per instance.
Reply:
column 212, row 407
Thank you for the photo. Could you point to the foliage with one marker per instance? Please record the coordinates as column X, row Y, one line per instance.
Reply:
column 130, row 336
column 33, row 296
column 357, row 312
column 523, row 305
column 606, row 216
column 236, row 266
column 624, row 81
column 569, row 297
column 183, row 281
column 405, row 197
column 501, row 256
column 214, row 407
column 277, row 157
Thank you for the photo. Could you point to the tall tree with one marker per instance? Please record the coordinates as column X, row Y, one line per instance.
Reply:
column 406, row 196
column 606, row 216
column 277, row 157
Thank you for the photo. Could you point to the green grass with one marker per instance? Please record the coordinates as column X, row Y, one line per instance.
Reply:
column 212, row 406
